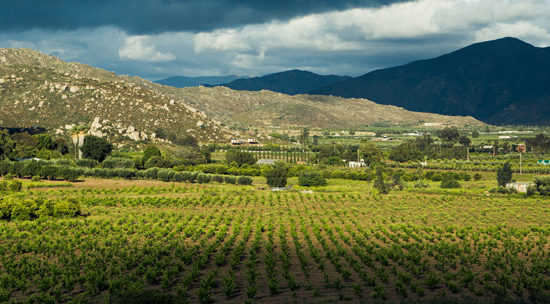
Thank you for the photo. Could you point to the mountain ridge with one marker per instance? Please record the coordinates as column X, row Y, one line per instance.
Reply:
column 489, row 80
column 289, row 82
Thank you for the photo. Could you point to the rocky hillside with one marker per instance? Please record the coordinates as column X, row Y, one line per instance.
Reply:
column 266, row 108
column 42, row 90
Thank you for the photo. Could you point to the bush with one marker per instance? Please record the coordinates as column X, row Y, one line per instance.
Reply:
column 477, row 176
column 87, row 163
column 217, row 179
column 35, row 178
column 69, row 174
column 277, row 176
column 203, row 178
column 311, row 178
column 503, row 190
column 450, row 183
column 117, row 163
column 230, row 179
column 157, row 162
column 244, row 180
column 29, row 209
column 165, row 175
column 543, row 185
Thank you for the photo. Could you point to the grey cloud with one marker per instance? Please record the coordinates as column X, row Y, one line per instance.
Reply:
column 157, row 16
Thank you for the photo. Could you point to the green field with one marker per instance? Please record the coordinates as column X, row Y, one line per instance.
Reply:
column 178, row 242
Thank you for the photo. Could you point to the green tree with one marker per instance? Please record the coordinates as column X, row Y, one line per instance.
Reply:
column 465, row 141
column 504, row 174
column 304, row 137
column 277, row 176
column 149, row 152
column 7, row 145
column 475, row 134
column 380, row 182
column 370, row 153
column 96, row 148
column 448, row 135
column 239, row 157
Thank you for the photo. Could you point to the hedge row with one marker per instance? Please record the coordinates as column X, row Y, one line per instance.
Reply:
column 47, row 171
column 25, row 209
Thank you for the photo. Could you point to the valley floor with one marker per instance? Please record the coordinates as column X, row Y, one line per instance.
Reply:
column 178, row 242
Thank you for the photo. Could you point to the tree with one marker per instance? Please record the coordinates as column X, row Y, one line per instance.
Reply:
column 504, row 174
column 304, row 137
column 149, row 152
column 380, row 182
column 276, row 177
column 475, row 134
column 370, row 153
column 465, row 141
column 315, row 140
column 448, row 135
column 311, row 178
column 96, row 148
column 239, row 157
column 7, row 145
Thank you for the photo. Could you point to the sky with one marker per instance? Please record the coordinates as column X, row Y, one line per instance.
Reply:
column 155, row 39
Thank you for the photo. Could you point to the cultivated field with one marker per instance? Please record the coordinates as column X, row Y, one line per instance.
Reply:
column 225, row 243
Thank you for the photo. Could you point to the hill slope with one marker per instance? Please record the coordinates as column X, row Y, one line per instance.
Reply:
column 289, row 82
column 266, row 108
column 42, row 90
column 505, row 81
column 184, row 82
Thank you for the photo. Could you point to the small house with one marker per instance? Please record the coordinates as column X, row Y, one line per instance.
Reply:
column 252, row 141
column 358, row 164
column 519, row 186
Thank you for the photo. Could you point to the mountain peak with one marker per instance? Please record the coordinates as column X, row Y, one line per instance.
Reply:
column 503, row 81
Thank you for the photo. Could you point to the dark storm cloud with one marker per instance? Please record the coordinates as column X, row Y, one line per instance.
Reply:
column 156, row 16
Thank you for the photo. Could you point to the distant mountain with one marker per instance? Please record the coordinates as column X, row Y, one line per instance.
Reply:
column 289, row 82
column 505, row 81
column 184, row 82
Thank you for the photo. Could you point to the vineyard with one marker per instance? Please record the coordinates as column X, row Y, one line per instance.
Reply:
column 180, row 242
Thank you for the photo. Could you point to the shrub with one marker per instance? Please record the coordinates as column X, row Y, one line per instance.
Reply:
column 230, row 179
column 277, row 176
column 87, row 163
column 311, row 178
column 450, row 183
column 203, row 178
column 15, row 185
column 165, row 175
column 503, row 190
column 244, row 180
column 49, row 172
column 69, row 174
column 217, row 179
column 543, row 185
column 35, row 178
column 117, row 162
column 477, row 176
column 149, row 152
column 157, row 162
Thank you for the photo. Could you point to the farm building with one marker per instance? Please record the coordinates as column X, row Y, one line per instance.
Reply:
column 521, row 148
column 519, row 186
column 266, row 161
column 359, row 164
